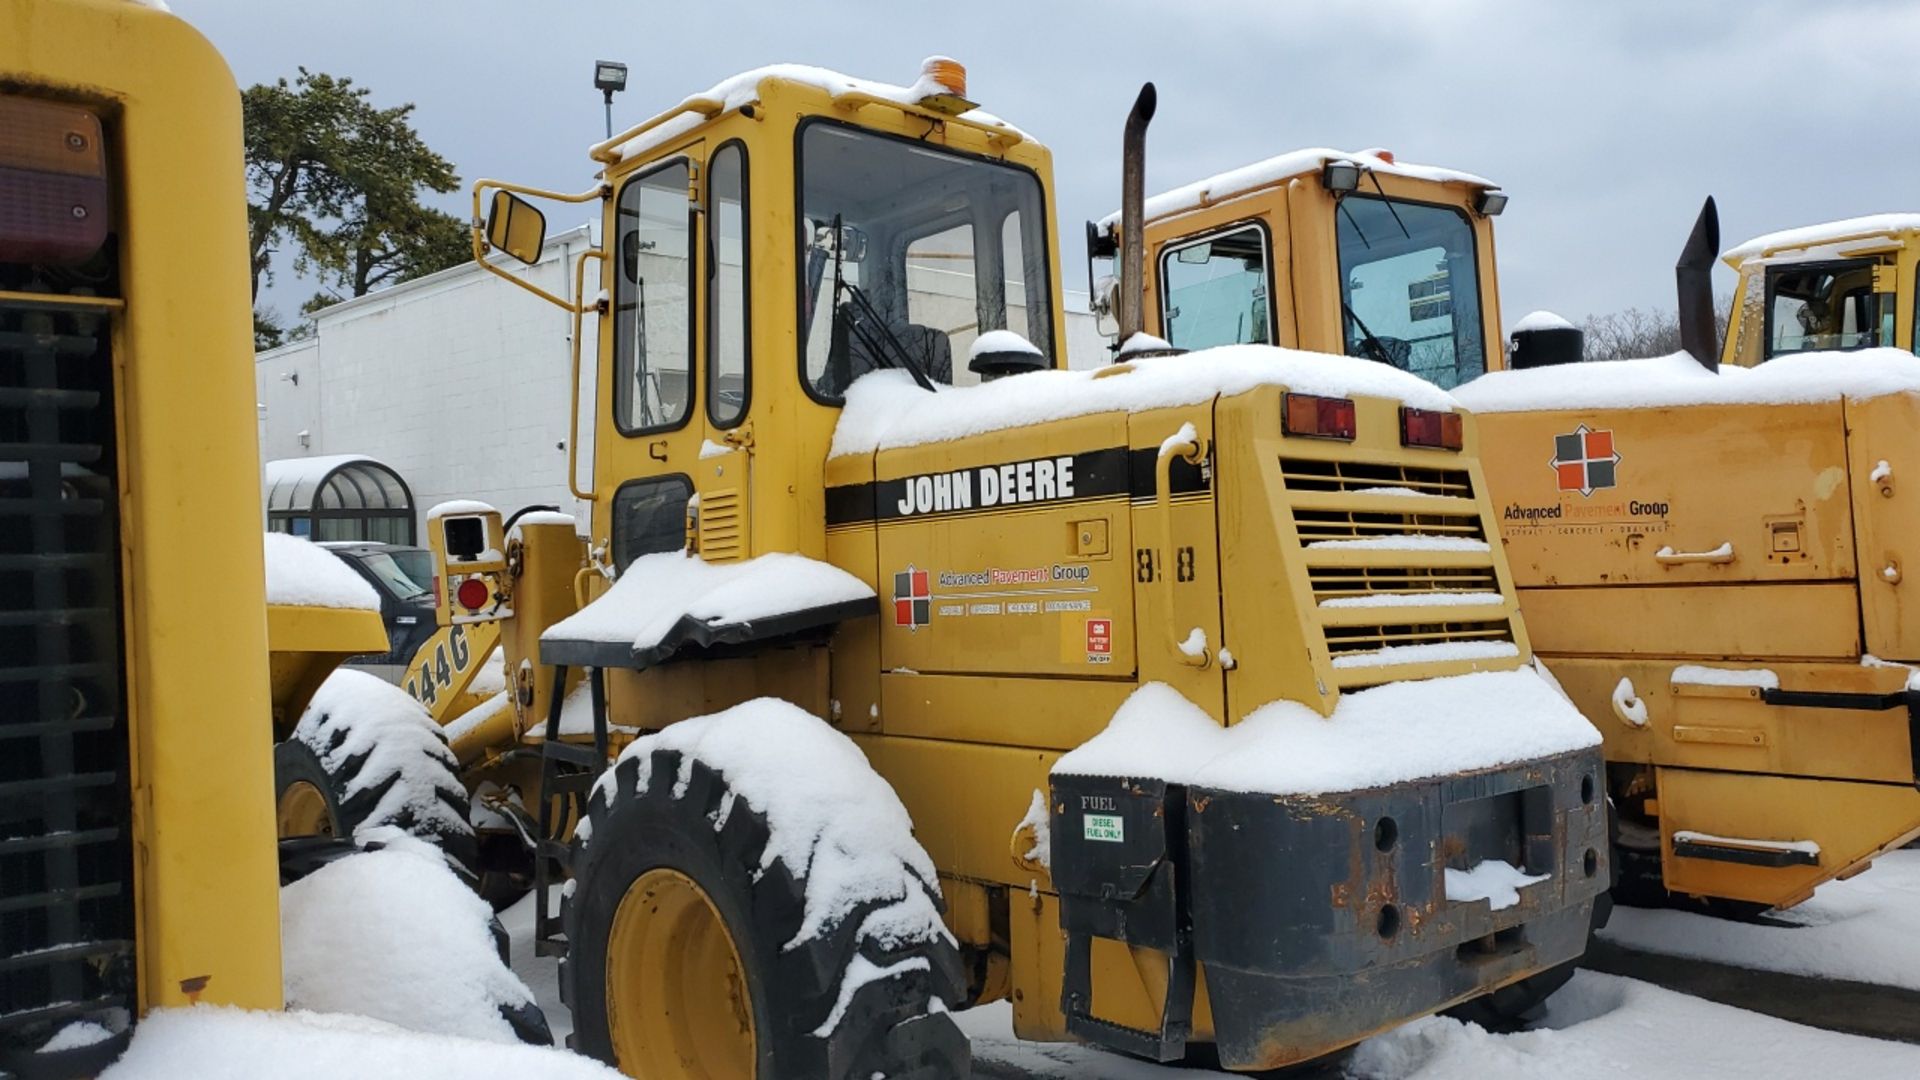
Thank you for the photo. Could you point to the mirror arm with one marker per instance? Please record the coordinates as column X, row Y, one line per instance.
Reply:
column 578, row 304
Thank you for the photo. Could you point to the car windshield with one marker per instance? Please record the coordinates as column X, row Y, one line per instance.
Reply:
column 909, row 253
column 396, row 571
column 1409, row 288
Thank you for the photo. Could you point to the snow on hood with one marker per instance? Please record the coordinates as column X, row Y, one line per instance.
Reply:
column 656, row 591
column 1662, row 382
column 1385, row 735
column 1233, row 182
column 744, row 88
column 885, row 410
column 1825, row 233
column 302, row 574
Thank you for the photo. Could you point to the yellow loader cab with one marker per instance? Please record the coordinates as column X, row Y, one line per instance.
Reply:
column 1715, row 561
column 137, row 855
column 1136, row 650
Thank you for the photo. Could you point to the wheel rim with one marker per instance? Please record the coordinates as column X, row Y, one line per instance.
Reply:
column 303, row 811
column 678, row 1006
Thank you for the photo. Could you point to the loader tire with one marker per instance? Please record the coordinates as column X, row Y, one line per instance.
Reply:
column 364, row 755
column 682, row 962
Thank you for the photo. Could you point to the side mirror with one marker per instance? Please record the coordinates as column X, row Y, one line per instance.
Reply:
column 516, row 227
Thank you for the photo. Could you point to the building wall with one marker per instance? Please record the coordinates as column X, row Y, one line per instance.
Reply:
column 458, row 381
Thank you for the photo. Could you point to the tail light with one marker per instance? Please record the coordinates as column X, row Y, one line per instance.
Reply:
column 53, row 182
column 1320, row 417
column 1435, row 430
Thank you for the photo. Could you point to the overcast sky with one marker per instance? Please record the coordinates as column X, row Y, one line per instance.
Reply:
column 1606, row 122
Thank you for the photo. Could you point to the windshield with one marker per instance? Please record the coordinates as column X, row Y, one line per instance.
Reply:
column 1825, row 305
column 909, row 253
column 402, row 573
column 1409, row 288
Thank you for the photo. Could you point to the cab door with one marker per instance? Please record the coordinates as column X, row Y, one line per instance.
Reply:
column 723, row 472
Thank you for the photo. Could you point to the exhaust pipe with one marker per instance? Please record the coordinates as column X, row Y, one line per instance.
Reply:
column 1132, row 316
column 1694, row 273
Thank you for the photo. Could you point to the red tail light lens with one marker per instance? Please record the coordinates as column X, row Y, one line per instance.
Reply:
column 473, row 594
column 53, row 181
column 1436, row 430
column 1320, row 417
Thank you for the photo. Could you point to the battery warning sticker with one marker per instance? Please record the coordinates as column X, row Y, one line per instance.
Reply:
column 1099, row 641
column 1108, row 827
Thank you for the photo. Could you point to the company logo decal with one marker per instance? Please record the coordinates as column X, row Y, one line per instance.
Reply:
column 1584, row 460
column 912, row 599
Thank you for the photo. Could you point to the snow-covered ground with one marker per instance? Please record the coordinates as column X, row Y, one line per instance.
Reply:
column 1865, row 929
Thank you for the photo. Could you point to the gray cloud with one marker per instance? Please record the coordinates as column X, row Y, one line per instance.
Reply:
column 1606, row 122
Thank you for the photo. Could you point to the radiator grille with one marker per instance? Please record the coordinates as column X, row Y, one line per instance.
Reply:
column 66, row 896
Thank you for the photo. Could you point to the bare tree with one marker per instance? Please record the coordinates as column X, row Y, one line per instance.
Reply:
column 1638, row 332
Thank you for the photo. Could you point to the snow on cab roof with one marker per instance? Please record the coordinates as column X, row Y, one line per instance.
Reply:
column 744, row 88
column 1665, row 381
column 1826, row 233
column 885, row 409
column 1234, row 182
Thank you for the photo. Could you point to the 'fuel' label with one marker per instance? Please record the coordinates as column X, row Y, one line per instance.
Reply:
column 1107, row 827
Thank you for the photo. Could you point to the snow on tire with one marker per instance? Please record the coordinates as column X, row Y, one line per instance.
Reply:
column 806, row 857
column 380, row 761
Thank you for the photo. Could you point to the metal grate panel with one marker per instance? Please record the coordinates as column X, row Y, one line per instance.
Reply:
column 722, row 533
column 66, row 874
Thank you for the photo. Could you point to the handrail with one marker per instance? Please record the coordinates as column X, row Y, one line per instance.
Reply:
column 478, row 231
column 605, row 150
column 573, row 420
column 1193, row 452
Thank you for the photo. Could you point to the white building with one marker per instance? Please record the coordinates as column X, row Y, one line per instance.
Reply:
column 458, row 382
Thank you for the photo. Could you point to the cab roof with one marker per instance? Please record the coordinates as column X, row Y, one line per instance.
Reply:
column 1234, row 182
column 1872, row 226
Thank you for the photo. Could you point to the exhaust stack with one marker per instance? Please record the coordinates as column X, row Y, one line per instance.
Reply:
column 1694, row 272
column 1132, row 317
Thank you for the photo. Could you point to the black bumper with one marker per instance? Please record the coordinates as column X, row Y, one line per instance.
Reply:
column 1319, row 920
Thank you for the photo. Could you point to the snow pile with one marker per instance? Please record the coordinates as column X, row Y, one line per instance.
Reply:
column 744, row 89
column 657, row 591
column 1803, row 847
column 1001, row 341
column 885, row 409
column 1498, row 883
column 1627, row 704
column 356, row 715
column 830, row 817
column 1142, row 342
column 393, row 934
column 208, row 1042
column 1540, row 320
column 1234, row 182
column 303, row 574
column 1866, row 928
column 1601, row 1025
column 1662, row 382
column 1825, row 233
column 1384, row 735
column 1696, row 675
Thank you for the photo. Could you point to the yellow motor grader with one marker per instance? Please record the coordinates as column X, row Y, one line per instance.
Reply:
column 1711, row 556
column 1200, row 679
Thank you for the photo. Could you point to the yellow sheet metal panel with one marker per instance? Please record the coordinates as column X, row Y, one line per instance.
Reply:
column 1883, row 459
column 1055, row 714
column 1608, row 497
column 1852, row 823
column 1806, row 620
column 205, row 856
column 965, row 799
column 1731, row 729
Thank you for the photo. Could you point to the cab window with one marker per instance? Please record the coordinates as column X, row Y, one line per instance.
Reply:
column 653, row 302
column 908, row 273
column 1824, row 306
column 1214, row 290
column 727, row 329
column 1410, row 288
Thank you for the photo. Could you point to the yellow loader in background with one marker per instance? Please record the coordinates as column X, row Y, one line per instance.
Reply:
column 860, row 553
column 1711, row 561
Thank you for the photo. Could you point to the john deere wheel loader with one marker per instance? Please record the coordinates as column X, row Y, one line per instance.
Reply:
column 146, row 669
column 1711, row 557
column 1204, row 691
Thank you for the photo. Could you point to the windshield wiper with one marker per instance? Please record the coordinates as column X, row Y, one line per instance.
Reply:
column 1385, row 199
column 867, row 325
column 1373, row 345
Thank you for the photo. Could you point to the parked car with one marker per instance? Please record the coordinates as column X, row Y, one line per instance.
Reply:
column 403, row 576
